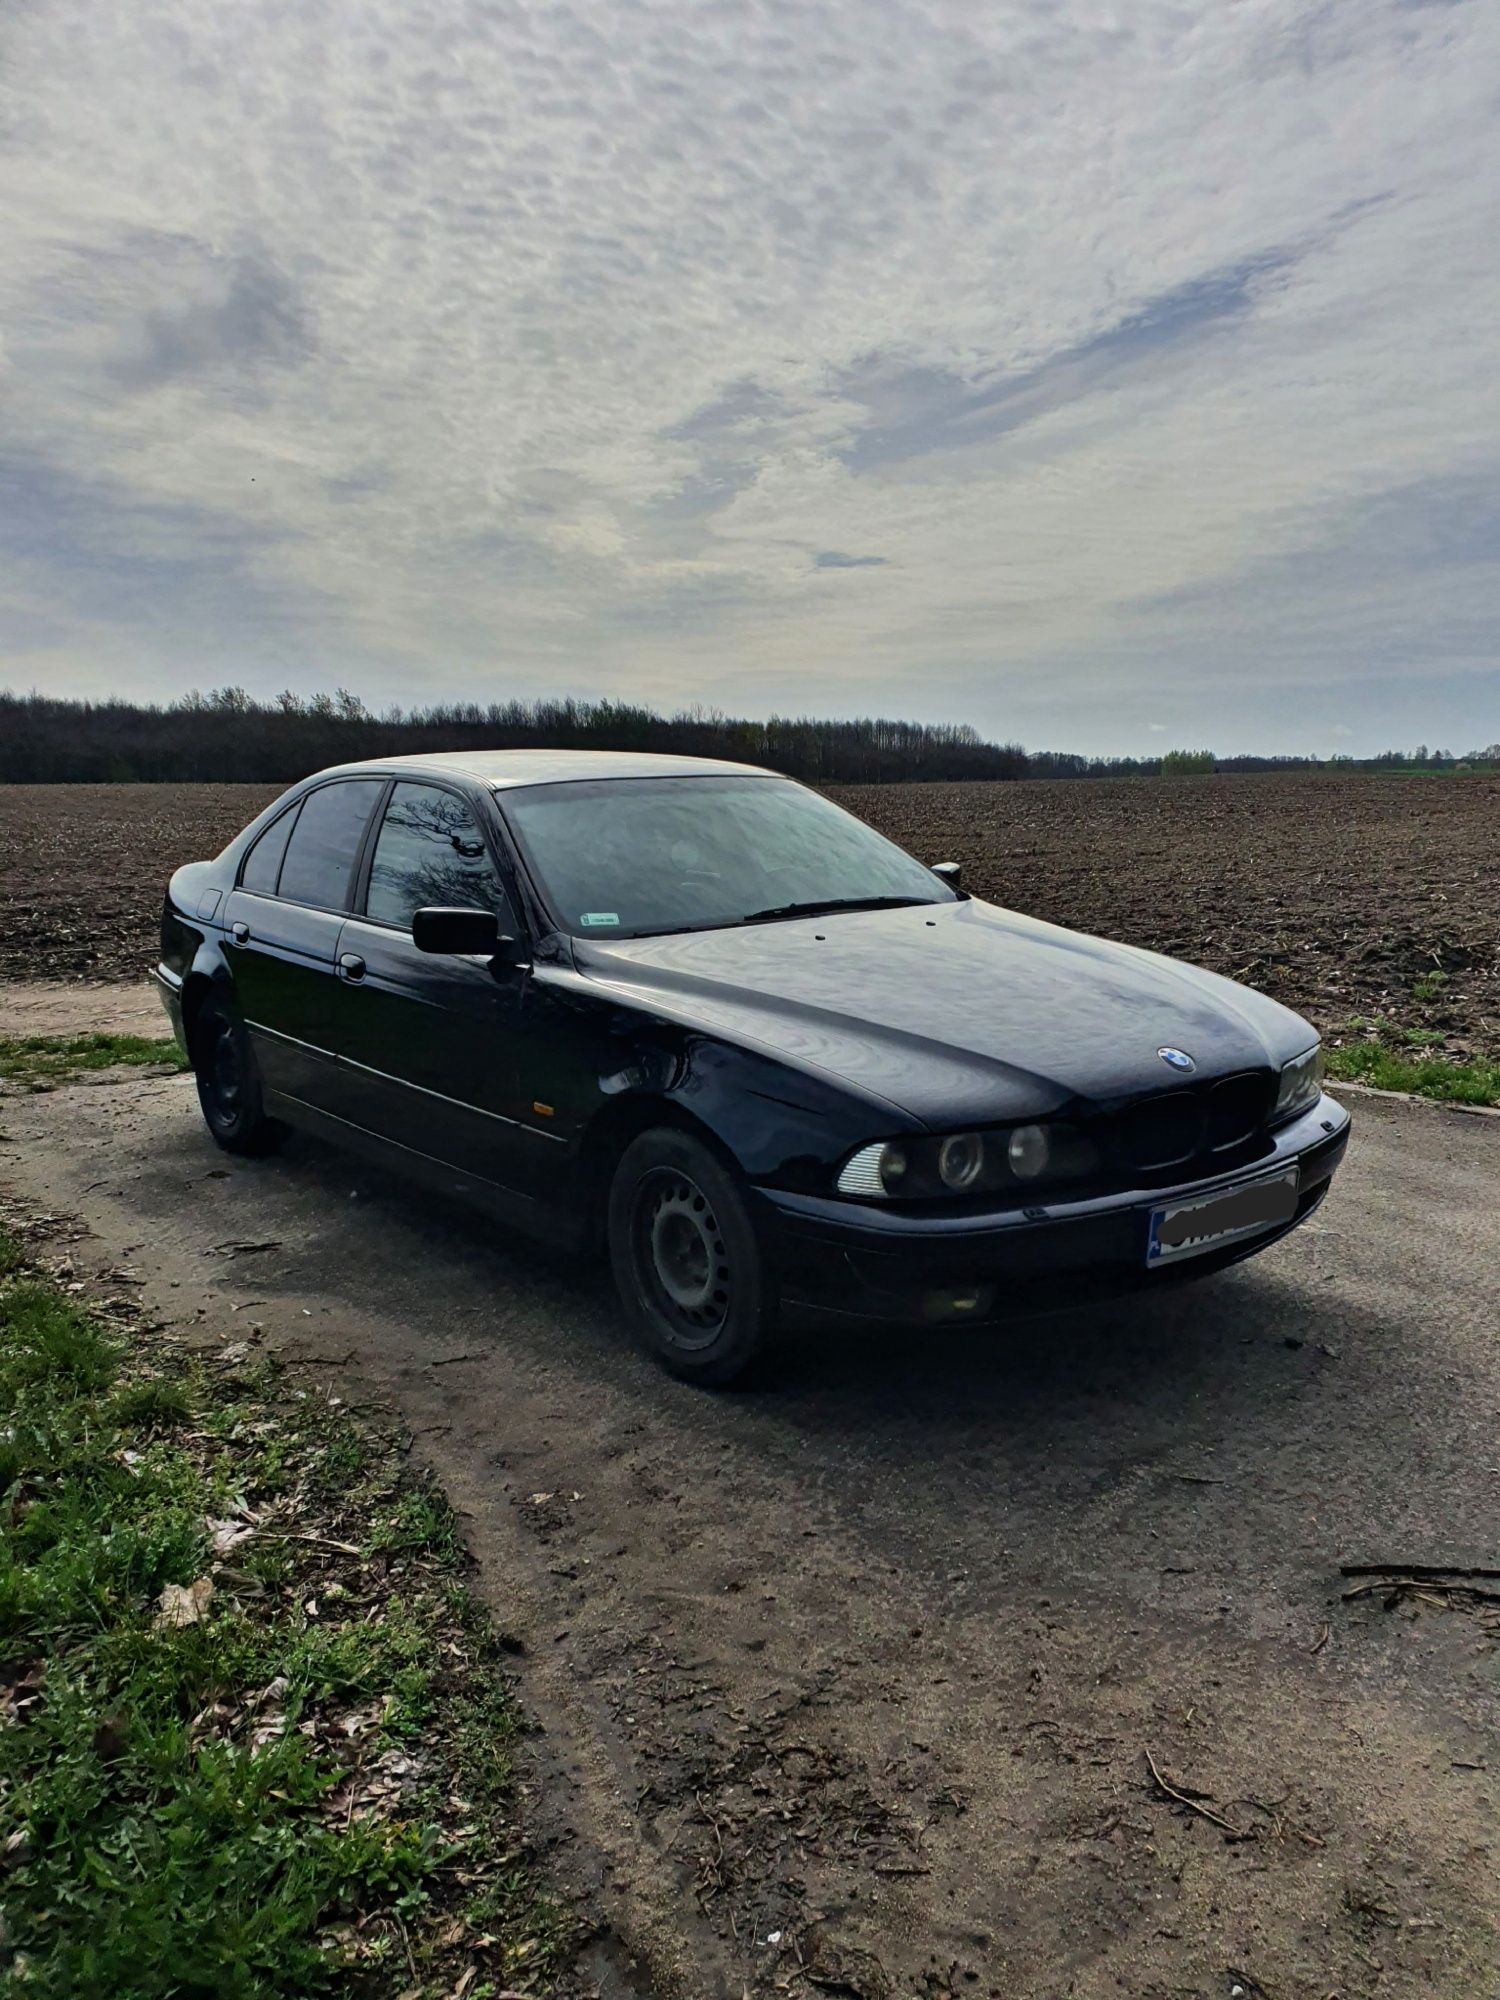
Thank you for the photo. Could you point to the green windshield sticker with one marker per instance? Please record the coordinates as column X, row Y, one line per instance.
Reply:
column 600, row 917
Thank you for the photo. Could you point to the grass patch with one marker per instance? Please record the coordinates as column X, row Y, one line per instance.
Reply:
column 55, row 1058
column 257, row 1737
column 1395, row 1060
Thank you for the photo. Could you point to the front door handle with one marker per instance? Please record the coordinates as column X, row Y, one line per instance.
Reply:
column 240, row 933
column 351, row 965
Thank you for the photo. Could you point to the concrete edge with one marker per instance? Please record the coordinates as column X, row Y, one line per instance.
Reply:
column 1335, row 1085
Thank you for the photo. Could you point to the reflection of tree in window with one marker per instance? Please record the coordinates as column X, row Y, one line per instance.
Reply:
column 429, row 855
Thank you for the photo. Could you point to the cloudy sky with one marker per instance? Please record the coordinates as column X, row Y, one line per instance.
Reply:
column 1098, row 374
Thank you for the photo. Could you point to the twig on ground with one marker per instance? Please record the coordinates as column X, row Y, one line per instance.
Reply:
column 406, row 1940
column 1248, row 1981
column 1433, row 1589
column 1193, row 1805
column 1414, row 1569
column 316, row 1541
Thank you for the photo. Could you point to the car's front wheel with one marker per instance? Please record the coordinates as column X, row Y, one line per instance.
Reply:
column 686, row 1260
column 229, row 1086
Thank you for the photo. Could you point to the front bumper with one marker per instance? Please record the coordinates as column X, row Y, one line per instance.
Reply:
column 169, row 991
column 871, row 1262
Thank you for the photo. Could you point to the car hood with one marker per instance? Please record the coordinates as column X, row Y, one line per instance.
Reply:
column 954, row 1011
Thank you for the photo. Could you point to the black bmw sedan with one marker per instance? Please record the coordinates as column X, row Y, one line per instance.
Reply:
column 697, row 1013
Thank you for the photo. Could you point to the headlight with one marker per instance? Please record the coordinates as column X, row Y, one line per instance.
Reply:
column 923, row 1168
column 874, row 1170
column 1301, row 1082
column 961, row 1160
column 1029, row 1151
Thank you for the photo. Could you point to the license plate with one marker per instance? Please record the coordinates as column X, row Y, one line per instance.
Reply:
column 1209, row 1221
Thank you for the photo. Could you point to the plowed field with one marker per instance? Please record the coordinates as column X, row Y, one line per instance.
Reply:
column 1343, row 896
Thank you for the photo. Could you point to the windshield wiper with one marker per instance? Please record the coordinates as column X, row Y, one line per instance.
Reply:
column 832, row 903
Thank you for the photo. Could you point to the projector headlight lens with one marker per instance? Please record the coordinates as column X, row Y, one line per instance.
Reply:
column 961, row 1160
column 1029, row 1151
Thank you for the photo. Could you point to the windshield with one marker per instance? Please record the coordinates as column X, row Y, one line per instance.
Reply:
column 619, row 857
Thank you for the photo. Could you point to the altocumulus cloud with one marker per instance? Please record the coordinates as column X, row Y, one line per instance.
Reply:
column 1140, row 366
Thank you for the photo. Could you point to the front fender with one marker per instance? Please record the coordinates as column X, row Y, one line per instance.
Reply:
column 782, row 1127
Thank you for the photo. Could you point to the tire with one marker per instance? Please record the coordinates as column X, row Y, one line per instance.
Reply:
column 230, row 1094
column 686, row 1262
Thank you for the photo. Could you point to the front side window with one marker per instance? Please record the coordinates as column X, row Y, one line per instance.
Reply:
column 619, row 857
column 430, row 854
column 321, row 853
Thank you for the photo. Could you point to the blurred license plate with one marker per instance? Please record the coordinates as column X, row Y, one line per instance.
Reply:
column 1208, row 1221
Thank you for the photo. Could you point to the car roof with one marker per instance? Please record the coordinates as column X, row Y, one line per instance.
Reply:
column 500, row 769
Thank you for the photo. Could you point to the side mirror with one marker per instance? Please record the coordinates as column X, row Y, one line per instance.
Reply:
column 950, row 872
column 455, row 931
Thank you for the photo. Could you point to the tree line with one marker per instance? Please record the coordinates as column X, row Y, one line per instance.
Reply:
column 226, row 735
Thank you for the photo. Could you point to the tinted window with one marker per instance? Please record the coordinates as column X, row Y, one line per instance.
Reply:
column 619, row 855
column 429, row 854
column 263, row 862
column 320, row 855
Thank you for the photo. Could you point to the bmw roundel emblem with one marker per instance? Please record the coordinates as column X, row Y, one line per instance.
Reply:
column 1177, row 1059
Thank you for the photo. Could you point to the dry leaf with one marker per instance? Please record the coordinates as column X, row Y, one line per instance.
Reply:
column 184, row 1604
column 227, row 1535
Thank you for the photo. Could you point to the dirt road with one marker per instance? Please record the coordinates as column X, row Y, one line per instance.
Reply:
column 849, row 1682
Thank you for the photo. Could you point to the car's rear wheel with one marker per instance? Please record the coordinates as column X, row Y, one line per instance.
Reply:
column 229, row 1086
column 686, row 1260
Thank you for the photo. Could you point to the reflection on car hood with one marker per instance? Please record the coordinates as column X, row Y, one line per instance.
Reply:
column 954, row 1010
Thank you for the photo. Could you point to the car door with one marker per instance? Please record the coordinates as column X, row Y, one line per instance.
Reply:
column 431, row 1041
column 283, row 919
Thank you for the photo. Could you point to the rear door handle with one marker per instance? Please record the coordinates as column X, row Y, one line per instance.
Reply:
column 240, row 933
column 351, row 965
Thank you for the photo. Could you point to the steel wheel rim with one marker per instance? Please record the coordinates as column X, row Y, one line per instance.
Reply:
column 681, row 1258
column 226, row 1074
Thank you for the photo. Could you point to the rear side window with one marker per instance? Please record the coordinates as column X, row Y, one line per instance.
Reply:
column 263, row 862
column 430, row 854
column 321, row 853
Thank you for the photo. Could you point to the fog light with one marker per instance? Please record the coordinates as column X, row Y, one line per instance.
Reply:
column 1029, row 1151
